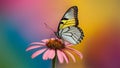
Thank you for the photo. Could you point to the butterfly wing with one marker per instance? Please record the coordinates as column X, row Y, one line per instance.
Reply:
column 71, row 34
column 69, row 18
column 68, row 29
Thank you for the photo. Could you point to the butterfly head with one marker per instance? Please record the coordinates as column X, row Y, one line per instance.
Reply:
column 56, row 33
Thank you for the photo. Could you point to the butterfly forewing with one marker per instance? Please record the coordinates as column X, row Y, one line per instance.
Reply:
column 71, row 13
column 69, row 18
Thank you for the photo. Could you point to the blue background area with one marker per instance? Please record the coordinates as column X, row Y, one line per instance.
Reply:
column 12, row 49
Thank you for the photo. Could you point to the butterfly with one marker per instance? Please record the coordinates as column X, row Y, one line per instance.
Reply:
column 68, row 29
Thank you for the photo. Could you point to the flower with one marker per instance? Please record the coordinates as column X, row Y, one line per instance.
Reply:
column 54, row 47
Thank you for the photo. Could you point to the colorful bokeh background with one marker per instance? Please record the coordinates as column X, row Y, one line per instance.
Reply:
column 22, row 22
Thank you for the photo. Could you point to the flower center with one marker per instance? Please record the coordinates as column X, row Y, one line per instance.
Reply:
column 55, row 44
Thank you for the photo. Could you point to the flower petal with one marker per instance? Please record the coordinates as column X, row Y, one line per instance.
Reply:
column 37, row 43
column 77, row 52
column 45, row 40
column 65, row 57
column 71, row 56
column 38, row 52
column 52, row 38
column 51, row 54
column 46, row 55
column 60, row 56
column 33, row 47
column 67, row 43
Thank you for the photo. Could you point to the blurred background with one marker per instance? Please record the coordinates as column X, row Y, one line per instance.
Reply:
column 22, row 22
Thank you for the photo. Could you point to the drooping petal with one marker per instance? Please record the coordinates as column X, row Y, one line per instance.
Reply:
column 33, row 47
column 38, row 52
column 65, row 57
column 51, row 54
column 71, row 55
column 37, row 43
column 60, row 56
column 45, row 40
column 46, row 54
column 67, row 43
column 77, row 52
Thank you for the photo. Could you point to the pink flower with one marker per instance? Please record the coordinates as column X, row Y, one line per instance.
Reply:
column 54, row 47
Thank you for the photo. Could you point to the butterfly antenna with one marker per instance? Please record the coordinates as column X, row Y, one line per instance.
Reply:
column 49, row 28
column 52, row 35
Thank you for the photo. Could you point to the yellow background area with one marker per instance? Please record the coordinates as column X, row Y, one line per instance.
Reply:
column 96, row 17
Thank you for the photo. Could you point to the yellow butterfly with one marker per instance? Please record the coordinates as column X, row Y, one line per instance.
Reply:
column 68, row 29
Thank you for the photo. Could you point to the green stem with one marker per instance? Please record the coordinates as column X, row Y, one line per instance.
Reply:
column 54, row 61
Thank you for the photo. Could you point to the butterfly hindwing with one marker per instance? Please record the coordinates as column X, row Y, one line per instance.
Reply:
column 71, row 34
column 68, row 29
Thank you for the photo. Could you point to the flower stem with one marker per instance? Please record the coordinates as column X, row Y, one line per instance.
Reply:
column 54, row 62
